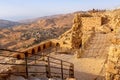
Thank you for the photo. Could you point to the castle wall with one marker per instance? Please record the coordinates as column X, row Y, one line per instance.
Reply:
column 81, row 27
column 38, row 48
column 89, row 22
column 113, row 63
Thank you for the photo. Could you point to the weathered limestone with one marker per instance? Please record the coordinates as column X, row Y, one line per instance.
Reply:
column 76, row 38
column 73, row 37
column 12, row 68
column 65, row 39
column 80, row 34
column 113, row 63
column 89, row 22
column 83, row 24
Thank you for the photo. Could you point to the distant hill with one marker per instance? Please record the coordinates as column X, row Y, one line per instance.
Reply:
column 61, row 20
column 7, row 23
column 32, row 20
column 34, row 31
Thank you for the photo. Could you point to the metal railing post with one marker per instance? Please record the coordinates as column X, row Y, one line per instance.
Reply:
column 35, row 58
column 71, row 71
column 48, row 72
column 62, row 70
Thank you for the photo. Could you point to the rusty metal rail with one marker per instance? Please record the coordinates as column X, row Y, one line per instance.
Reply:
column 53, row 67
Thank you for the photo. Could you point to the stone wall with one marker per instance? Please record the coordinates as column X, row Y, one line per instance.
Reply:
column 80, row 33
column 113, row 62
column 86, row 38
column 89, row 22
column 65, row 39
column 37, row 48
column 76, row 37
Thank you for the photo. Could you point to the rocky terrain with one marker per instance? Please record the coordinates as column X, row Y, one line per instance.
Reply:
column 6, row 23
column 26, row 35
column 33, row 31
column 91, row 42
column 16, row 39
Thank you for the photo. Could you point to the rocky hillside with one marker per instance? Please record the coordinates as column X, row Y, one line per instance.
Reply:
column 35, row 31
column 26, row 35
column 6, row 23
column 51, row 21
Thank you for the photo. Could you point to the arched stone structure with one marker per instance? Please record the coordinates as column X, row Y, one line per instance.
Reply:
column 37, row 48
column 33, row 51
column 26, row 54
column 19, row 55
column 57, row 45
column 44, row 46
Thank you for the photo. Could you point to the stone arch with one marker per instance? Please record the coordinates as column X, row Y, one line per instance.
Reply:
column 29, row 51
column 80, row 45
column 39, row 48
column 33, row 51
column 44, row 47
column 57, row 44
column 26, row 54
column 18, row 56
column 50, row 44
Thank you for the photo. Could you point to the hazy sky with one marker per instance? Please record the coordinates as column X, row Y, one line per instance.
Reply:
column 25, row 9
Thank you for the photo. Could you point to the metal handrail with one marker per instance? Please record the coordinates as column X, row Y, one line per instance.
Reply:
column 48, row 65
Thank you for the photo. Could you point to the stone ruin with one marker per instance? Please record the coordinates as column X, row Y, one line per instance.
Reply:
column 83, row 29
column 113, row 61
column 73, row 38
column 77, row 38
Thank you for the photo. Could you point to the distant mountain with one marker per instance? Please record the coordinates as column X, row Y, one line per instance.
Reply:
column 62, row 17
column 61, row 20
column 7, row 23
column 33, row 20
